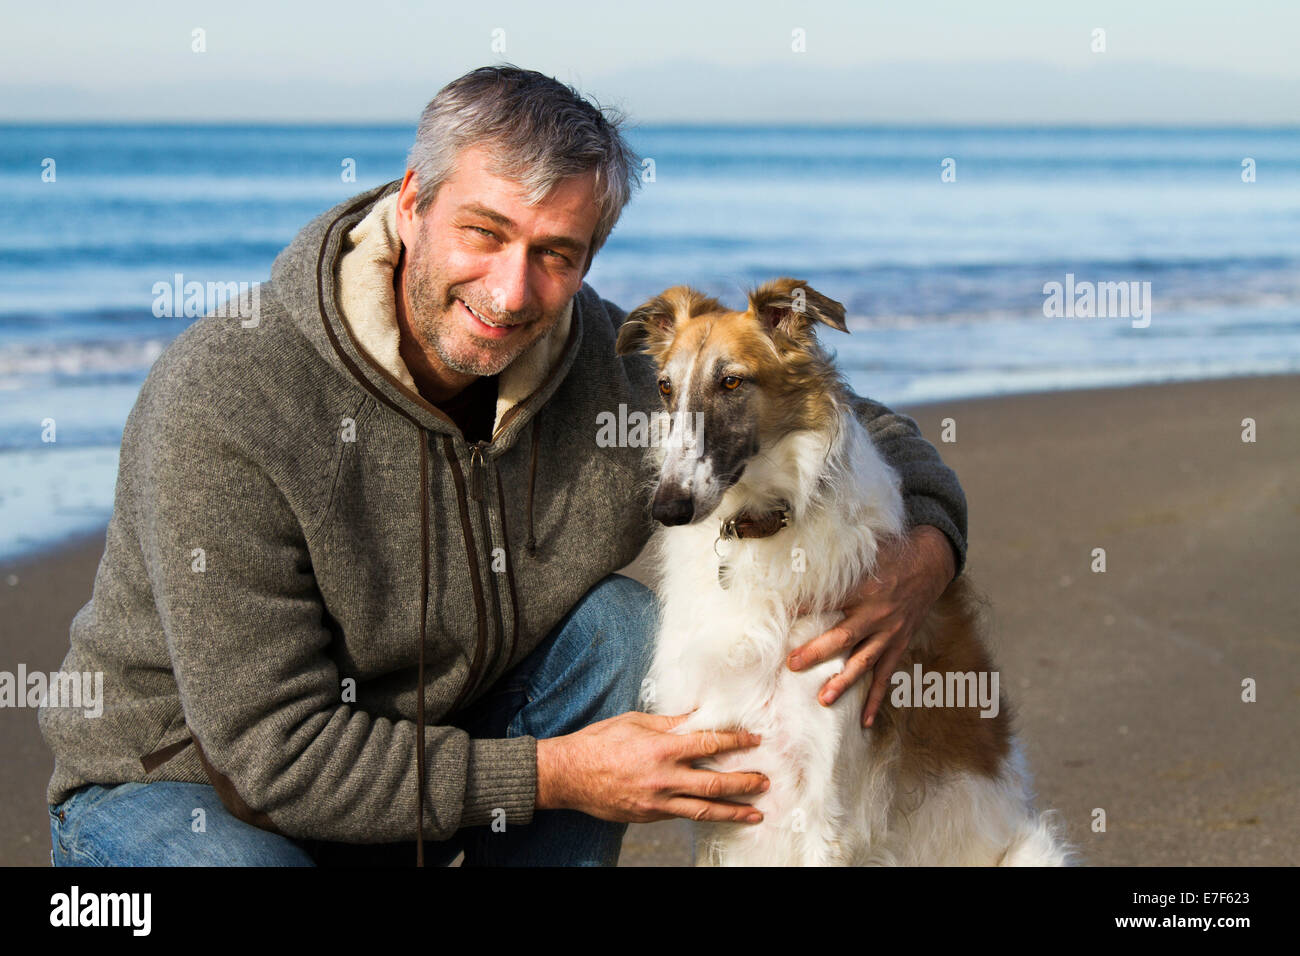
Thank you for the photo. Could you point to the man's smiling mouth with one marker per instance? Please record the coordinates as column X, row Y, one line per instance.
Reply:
column 503, row 326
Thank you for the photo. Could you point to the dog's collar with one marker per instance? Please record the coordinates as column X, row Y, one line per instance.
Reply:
column 745, row 525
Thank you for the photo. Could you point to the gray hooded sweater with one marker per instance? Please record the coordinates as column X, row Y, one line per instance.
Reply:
column 300, row 544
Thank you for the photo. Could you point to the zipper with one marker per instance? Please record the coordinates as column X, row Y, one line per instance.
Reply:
column 478, row 455
column 476, row 466
column 477, row 478
column 467, row 531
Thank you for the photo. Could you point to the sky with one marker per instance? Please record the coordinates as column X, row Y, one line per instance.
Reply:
column 909, row 61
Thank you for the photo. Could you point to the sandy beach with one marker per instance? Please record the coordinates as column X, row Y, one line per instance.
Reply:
column 1127, row 683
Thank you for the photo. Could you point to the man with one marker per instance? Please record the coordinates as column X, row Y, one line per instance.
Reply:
column 358, row 586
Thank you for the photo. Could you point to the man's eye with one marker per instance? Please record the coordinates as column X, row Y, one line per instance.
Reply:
column 731, row 381
column 558, row 255
column 487, row 232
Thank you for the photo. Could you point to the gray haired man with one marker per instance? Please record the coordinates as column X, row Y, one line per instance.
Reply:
column 358, row 592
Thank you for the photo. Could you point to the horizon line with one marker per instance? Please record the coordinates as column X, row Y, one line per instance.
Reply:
column 686, row 124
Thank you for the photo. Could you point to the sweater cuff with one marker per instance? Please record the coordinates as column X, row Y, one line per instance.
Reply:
column 922, row 509
column 500, row 775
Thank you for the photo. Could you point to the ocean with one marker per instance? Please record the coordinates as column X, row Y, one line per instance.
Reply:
column 942, row 242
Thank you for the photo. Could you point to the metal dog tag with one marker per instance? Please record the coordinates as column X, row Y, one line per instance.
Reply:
column 724, row 570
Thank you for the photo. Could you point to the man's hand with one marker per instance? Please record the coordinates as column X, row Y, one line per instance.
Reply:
column 630, row 769
column 886, row 609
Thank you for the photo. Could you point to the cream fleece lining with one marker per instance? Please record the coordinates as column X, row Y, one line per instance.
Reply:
column 368, row 304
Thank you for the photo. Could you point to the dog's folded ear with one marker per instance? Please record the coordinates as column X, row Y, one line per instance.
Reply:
column 653, row 323
column 792, row 305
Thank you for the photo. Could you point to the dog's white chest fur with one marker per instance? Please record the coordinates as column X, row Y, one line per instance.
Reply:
column 722, row 650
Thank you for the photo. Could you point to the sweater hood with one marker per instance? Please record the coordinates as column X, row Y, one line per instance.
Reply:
column 336, row 281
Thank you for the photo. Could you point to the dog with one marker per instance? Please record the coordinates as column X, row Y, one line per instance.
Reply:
column 773, row 503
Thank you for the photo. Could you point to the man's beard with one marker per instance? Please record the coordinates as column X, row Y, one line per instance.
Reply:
column 431, row 305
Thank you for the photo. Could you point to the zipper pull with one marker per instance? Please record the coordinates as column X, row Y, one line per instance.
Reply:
column 476, row 456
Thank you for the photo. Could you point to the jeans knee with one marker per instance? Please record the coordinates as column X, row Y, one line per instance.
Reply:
column 629, row 618
column 594, row 666
column 166, row 823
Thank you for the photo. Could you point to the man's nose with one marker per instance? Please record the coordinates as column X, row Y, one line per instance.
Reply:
column 508, row 281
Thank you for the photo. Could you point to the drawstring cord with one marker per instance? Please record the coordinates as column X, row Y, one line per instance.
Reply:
column 424, row 609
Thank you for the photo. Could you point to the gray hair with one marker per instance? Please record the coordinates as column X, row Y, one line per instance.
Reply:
column 538, row 131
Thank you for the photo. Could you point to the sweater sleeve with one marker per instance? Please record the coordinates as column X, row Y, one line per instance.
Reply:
column 232, row 579
column 931, row 492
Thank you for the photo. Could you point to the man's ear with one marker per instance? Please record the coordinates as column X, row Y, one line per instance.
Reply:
column 792, row 305
column 408, row 220
column 653, row 324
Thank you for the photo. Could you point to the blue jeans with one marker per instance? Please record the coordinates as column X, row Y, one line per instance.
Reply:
column 589, row 668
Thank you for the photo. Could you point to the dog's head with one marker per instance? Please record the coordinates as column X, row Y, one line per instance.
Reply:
column 731, row 382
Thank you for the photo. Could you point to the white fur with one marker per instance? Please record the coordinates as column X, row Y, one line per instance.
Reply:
column 835, row 796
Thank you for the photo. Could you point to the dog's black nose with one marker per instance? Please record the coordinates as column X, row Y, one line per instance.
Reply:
column 672, row 511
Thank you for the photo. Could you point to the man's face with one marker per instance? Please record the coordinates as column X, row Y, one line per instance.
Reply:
column 481, row 248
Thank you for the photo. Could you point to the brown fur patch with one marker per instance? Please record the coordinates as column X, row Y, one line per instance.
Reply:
column 799, row 381
column 651, row 326
column 936, row 740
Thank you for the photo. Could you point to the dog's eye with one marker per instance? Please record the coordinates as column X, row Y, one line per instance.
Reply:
column 731, row 381
column 665, row 387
